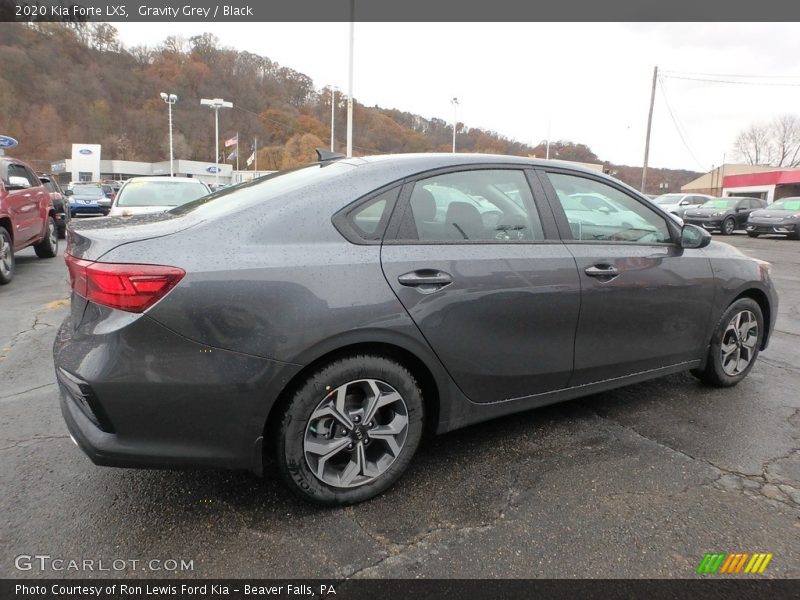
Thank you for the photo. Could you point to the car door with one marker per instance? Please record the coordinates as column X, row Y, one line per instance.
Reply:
column 23, row 205
column 488, row 283
column 645, row 302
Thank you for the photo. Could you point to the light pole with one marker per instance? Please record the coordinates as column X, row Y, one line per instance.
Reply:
column 350, row 81
column 170, row 99
column 454, row 102
column 333, row 105
column 216, row 104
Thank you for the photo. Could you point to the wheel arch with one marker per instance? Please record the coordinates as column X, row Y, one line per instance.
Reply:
column 428, row 373
column 5, row 222
column 762, row 300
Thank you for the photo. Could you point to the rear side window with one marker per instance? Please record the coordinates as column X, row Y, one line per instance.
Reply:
column 484, row 205
column 367, row 220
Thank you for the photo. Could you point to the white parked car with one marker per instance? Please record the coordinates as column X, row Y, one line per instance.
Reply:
column 677, row 204
column 142, row 195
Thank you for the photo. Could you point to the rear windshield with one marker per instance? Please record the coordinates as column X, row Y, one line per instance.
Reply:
column 262, row 189
column 786, row 204
column 160, row 193
column 719, row 203
column 88, row 190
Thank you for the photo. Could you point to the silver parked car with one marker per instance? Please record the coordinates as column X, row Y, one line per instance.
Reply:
column 143, row 195
column 323, row 317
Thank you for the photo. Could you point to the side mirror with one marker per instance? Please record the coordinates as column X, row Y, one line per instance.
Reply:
column 18, row 183
column 684, row 203
column 693, row 236
column 69, row 192
column 104, row 202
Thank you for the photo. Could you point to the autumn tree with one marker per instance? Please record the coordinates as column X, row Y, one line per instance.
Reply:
column 300, row 150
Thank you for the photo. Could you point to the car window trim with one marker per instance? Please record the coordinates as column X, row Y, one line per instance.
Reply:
column 561, row 216
column 398, row 226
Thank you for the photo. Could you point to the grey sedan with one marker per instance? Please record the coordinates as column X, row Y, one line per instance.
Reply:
column 321, row 318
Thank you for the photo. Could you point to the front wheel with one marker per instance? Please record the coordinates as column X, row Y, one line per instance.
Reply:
column 48, row 247
column 350, row 430
column 728, row 225
column 6, row 257
column 734, row 345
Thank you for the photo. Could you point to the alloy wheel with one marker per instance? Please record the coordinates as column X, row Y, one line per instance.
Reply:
column 729, row 226
column 355, row 433
column 52, row 233
column 739, row 343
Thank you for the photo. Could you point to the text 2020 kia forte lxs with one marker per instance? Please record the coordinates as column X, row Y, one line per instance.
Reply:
column 324, row 316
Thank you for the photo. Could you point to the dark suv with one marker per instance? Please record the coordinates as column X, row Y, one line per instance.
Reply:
column 725, row 215
column 59, row 201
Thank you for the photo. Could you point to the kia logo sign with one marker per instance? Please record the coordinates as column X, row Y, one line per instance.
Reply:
column 85, row 151
column 7, row 142
column 213, row 169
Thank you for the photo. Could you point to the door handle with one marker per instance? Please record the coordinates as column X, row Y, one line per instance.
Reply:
column 602, row 271
column 426, row 280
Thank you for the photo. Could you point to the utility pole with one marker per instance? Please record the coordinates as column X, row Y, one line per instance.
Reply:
column 350, row 82
column 649, row 127
column 170, row 99
column 333, row 115
column 454, row 102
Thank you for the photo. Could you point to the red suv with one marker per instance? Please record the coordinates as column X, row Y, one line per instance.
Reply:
column 27, row 217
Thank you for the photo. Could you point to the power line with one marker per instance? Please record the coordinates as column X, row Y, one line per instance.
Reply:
column 730, row 75
column 729, row 81
column 675, row 121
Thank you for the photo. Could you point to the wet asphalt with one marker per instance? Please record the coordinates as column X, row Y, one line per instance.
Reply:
column 637, row 482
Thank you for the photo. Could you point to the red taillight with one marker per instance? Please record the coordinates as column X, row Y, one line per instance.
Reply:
column 133, row 288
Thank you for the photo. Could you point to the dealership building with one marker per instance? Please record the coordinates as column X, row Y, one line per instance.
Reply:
column 754, row 181
column 86, row 164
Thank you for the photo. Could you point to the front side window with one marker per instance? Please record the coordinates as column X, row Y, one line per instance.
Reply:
column 598, row 212
column 487, row 205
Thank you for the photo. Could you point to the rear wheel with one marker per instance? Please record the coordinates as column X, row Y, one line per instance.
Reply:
column 734, row 345
column 6, row 257
column 48, row 247
column 796, row 234
column 752, row 234
column 350, row 430
column 728, row 225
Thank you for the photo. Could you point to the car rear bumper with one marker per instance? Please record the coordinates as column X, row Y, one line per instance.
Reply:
column 139, row 395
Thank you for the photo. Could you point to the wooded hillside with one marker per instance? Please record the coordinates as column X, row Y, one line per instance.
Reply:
column 65, row 83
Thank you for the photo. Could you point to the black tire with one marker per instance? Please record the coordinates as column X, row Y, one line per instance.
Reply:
column 728, row 226
column 290, row 457
column 48, row 247
column 7, row 262
column 796, row 234
column 753, row 234
column 714, row 373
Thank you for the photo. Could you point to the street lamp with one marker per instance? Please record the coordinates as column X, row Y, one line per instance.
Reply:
column 216, row 104
column 170, row 99
column 454, row 102
column 333, row 105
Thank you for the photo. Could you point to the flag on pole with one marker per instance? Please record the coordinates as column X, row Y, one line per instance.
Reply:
column 234, row 141
column 251, row 158
column 234, row 154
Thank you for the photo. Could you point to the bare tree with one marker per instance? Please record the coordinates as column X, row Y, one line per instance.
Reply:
column 753, row 145
column 776, row 144
column 786, row 140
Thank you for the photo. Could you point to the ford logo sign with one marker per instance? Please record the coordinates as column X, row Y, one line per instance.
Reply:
column 213, row 169
column 7, row 142
column 85, row 151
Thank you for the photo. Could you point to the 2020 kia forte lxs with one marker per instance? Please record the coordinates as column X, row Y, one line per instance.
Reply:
column 324, row 316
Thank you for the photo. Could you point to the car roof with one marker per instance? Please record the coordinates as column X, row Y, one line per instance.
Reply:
column 446, row 159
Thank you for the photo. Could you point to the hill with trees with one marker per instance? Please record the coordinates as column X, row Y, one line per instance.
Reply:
column 62, row 83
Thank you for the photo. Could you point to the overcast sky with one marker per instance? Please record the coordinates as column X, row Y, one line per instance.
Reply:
column 584, row 82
